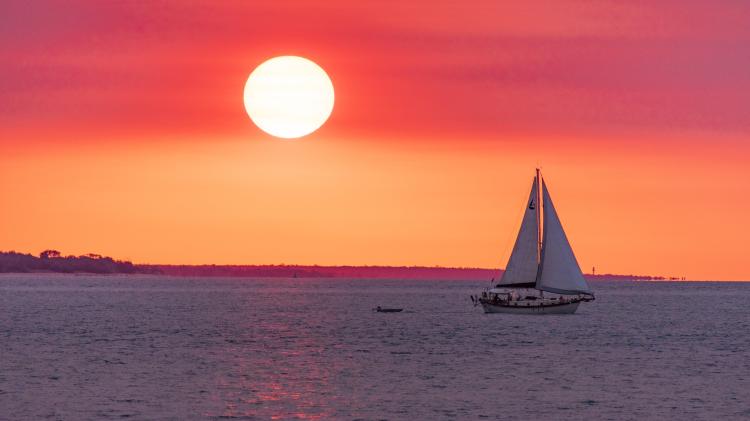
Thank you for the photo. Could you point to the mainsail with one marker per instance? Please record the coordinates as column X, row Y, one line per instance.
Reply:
column 559, row 271
column 523, row 265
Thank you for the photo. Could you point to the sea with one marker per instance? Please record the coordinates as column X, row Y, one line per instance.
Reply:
column 85, row 347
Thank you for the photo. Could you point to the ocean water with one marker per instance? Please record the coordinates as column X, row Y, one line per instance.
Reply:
column 140, row 347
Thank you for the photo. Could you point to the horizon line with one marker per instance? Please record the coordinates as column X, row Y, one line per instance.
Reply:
column 384, row 266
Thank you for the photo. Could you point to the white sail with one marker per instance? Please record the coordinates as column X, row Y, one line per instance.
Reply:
column 559, row 271
column 523, row 264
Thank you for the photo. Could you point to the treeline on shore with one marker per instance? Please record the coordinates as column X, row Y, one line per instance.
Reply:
column 54, row 261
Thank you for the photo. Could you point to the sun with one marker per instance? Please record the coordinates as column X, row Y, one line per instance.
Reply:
column 289, row 96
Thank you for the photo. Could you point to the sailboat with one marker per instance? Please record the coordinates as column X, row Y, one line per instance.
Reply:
column 542, row 275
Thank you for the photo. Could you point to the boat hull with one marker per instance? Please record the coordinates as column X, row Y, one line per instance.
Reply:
column 567, row 308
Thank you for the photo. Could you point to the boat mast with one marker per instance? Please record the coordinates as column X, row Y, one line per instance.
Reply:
column 538, row 217
column 539, row 237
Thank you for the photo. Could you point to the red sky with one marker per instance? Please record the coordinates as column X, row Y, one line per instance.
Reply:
column 122, row 132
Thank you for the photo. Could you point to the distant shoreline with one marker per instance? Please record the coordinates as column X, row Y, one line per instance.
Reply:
column 52, row 261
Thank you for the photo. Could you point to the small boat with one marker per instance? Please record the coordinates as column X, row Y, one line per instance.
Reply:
column 388, row 310
column 542, row 275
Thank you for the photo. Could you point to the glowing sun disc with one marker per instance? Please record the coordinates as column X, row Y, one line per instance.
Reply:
column 288, row 96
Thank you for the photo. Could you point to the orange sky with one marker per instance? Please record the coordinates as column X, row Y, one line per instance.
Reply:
column 122, row 132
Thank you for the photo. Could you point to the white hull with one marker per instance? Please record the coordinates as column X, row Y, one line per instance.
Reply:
column 522, row 308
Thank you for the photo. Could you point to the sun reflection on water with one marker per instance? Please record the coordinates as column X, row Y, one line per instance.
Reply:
column 281, row 378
